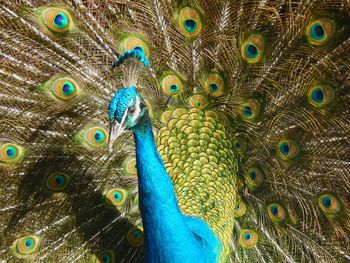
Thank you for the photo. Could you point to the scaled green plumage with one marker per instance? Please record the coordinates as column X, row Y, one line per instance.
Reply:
column 250, row 106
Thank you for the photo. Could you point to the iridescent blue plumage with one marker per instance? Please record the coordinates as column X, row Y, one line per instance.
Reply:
column 134, row 53
column 120, row 102
column 170, row 236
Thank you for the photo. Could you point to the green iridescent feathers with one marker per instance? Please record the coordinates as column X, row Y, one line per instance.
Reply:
column 250, row 106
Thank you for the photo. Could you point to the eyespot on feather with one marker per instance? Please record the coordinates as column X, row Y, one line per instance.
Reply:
column 64, row 89
column 172, row 85
column 96, row 137
column 241, row 145
column 287, row 149
column 253, row 49
column 57, row 20
column 321, row 95
column 11, row 153
column 106, row 256
column 26, row 246
column 115, row 197
column 214, row 85
column 199, row 101
column 241, row 209
column 320, row 31
column 250, row 109
column 248, row 238
column 329, row 204
column 190, row 22
column 56, row 182
column 254, row 177
column 276, row 212
column 135, row 237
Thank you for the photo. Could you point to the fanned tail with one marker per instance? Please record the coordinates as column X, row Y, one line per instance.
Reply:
column 250, row 105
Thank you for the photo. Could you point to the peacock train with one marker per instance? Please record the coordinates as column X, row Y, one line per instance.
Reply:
column 175, row 131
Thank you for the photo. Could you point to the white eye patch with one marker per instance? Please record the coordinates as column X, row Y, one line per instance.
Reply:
column 137, row 109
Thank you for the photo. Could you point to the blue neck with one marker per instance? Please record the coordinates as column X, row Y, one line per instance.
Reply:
column 168, row 237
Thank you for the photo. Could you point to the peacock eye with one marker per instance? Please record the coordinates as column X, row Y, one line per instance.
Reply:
column 10, row 153
column 115, row 197
column 131, row 110
column 190, row 22
column 253, row 49
column 64, row 89
column 329, row 204
column 57, row 20
column 56, row 182
column 135, row 237
column 321, row 95
column 248, row 238
column 26, row 246
column 106, row 256
column 172, row 85
column 214, row 85
column 320, row 31
column 287, row 149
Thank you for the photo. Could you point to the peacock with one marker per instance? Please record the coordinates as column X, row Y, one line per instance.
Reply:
column 175, row 131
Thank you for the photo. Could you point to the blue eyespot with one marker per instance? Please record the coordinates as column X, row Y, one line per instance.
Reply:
column 60, row 180
column 327, row 201
column 29, row 243
column 320, row 31
column 106, row 258
column 189, row 21
column 118, row 196
column 251, row 51
column 136, row 234
column 317, row 31
column 135, row 237
column 254, row 178
column 213, row 87
column 317, row 95
column 99, row 136
column 252, row 175
column 68, row 88
column 247, row 236
column 115, row 197
column 250, row 109
column 56, row 182
column 330, row 205
column 284, row 148
column 61, row 20
column 11, row 152
column 174, row 88
column 190, row 25
column 241, row 145
column 274, row 210
column 247, row 111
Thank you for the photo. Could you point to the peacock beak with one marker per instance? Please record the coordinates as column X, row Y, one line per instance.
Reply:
column 115, row 131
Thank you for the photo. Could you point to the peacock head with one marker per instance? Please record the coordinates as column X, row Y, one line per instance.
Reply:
column 126, row 109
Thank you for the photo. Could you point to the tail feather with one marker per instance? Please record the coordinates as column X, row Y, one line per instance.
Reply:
column 279, row 109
